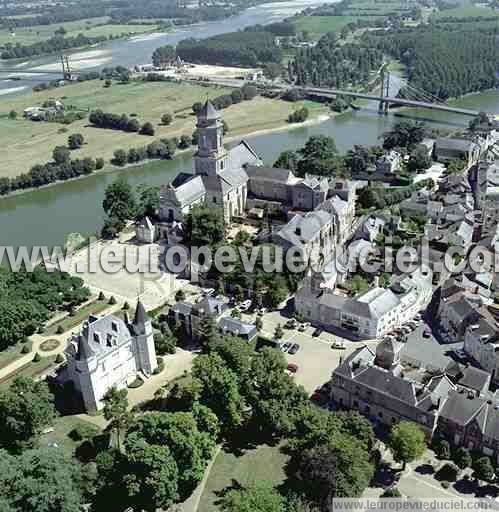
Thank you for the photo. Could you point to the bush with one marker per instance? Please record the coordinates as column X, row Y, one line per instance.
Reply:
column 442, row 449
column 147, row 129
column 26, row 349
column 448, row 472
column 462, row 458
column 126, row 306
column 59, row 329
column 136, row 383
column 160, row 367
column 120, row 157
column 298, row 116
column 99, row 163
column 37, row 358
column 84, row 431
column 59, row 359
column 12, row 114
column 167, row 119
column 75, row 141
column 391, row 492
column 112, row 301
column 101, row 296
column 185, row 142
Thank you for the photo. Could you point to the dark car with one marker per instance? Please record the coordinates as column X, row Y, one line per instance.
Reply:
column 294, row 348
column 426, row 333
column 317, row 332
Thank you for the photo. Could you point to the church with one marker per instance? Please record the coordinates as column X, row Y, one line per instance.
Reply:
column 219, row 179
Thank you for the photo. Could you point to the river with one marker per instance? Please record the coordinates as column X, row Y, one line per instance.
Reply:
column 139, row 49
column 47, row 216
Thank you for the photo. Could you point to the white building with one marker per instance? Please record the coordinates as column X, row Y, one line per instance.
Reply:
column 487, row 195
column 109, row 352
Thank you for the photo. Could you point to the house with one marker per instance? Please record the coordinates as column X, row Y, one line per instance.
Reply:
column 314, row 231
column 371, row 314
column 190, row 317
column 109, row 352
column 454, row 314
column 389, row 163
column 481, row 342
column 487, row 195
column 373, row 384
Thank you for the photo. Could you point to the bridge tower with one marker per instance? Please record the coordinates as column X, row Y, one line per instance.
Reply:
column 66, row 68
column 385, row 90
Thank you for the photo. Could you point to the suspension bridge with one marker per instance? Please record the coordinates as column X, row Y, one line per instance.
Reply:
column 65, row 72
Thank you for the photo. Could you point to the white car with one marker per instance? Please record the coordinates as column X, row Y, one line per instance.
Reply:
column 244, row 305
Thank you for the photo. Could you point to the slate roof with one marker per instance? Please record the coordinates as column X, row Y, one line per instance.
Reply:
column 100, row 328
column 187, row 188
column 210, row 306
column 243, row 155
column 208, row 112
column 308, row 227
column 448, row 143
column 272, row 174
column 474, row 378
column 460, row 409
column 236, row 326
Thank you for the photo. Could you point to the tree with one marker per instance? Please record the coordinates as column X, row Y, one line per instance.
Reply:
column 13, row 115
column 185, row 142
column 391, row 492
column 119, row 201
column 407, row 442
column 219, row 390
column 116, row 411
column 179, row 296
column 26, row 408
column 197, row 107
column 61, row 155
column 462, row 458
column 404, row 134
column 272, row 70
column 205, row 226
column 120, row 157
column 191, row 448
column 163, row 56
column 42, row 480
column 208, row 334
column 148, row 200
column 419, row 159
column 287, row 160
column 483, row 469
column 147, row 129
column 75, row 141
column 319, row 147
column 339, row 469
column 167, row 118
column 257, row 497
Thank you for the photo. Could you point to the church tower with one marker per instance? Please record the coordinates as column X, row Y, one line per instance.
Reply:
column 211, row 157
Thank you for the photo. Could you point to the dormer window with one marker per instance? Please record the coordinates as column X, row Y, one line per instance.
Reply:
column 114, row 326
column 109, row 340
column 97, row 337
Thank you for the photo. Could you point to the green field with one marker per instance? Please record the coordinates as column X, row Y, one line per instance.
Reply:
column 467, row 11
column 91, row 27
column 317, row 26
column 26, row 143
column 60, row 437
column 265, row 463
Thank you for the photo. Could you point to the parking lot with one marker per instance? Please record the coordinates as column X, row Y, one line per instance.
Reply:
column 315, row 359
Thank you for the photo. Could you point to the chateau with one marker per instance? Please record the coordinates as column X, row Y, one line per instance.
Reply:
column 109, row 352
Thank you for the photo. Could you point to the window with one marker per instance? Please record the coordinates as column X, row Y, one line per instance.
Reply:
column 114, row 326
column 221, row 164
column 96, row 337
column 214, row 199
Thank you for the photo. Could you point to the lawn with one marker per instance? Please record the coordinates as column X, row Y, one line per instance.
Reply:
column 70, row 322
column 317, row 26
column 26, row 143
column 31, row 369
column 91, row 27
column 467, row 11
column 9, row 355
column 263, row 463
column 62, row 428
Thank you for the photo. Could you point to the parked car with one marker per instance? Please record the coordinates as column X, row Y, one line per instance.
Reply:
column 286, row 346
column 426, row 333
column 317, row 332
column 338, row 345
column 292, row 367
column 303, row 326
column 261, row 311
column 460, row 354
column 291, row 324
column 244, row 306
column 294, row 348
column 209, row 292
